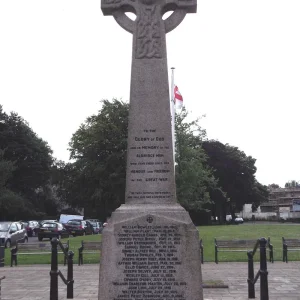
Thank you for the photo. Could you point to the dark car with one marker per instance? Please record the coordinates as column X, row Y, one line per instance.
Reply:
column 52, row 229
column 40, row 224
column 79, row 227
column 11, row 232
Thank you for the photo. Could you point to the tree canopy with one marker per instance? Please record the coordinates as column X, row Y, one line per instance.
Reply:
column 236, row 175
column 210, row 176
column 194, row 178
column 25, row 161
column 96, row 180
column 292, row 183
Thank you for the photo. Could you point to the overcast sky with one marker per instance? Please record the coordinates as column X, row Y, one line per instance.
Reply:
column 236, row 61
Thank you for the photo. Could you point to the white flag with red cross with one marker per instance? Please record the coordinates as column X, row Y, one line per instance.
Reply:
column 177, row 98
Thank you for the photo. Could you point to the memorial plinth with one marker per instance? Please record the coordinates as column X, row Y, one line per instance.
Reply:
column 150, row 248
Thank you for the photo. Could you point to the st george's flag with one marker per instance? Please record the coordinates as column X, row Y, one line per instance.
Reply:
column 178, row 99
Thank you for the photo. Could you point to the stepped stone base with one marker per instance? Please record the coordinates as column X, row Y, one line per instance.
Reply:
column 150, row 252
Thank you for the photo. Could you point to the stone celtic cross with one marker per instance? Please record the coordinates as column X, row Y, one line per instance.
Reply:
column 150, row 247
column 150, row 177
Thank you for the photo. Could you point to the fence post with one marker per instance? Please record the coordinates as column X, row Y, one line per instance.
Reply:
column 54, row 271
column 251, row 289
column 201, row 251
column 70, row 280
column 1, row 278
column 2, row 253
column 264, row 290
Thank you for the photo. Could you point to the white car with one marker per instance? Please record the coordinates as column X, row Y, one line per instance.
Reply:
column 238, row 220
column 11, row 232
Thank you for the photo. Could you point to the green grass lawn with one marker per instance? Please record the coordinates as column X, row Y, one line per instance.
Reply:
column 75, row 243
column 207, row 233
column 247, row 231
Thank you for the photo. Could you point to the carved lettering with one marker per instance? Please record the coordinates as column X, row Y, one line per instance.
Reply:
column 150, row 260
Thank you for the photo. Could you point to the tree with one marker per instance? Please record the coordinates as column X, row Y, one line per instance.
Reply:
column 31, row 158
column 273, row 186
column 194, row 179
column 10, row 202
column 292, row 183
column 236, row 174
column 260, row 194
column 96, row 180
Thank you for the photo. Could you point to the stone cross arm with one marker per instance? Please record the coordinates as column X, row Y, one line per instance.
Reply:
column 117, row 8
column 110, row 6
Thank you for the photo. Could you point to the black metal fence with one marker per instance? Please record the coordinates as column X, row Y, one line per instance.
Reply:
column 2, row 252
column 262, row 272
column 1, row 278
column 54, row 273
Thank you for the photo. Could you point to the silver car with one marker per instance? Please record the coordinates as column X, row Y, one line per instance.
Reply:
column 11, row 232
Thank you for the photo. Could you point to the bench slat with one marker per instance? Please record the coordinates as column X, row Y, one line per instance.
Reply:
column 92, row 245
column 37, row 253
column 235, row 243
column 292, row 245
column 32, row 247
column 292, row 242
column 88, row 248
column 232, row 250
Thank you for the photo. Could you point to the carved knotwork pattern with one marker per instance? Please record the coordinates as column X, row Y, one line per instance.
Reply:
column 148, row 38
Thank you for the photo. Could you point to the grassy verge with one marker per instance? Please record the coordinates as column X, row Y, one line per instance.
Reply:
column 247, row 231
column 207, row 233
column 75, row 243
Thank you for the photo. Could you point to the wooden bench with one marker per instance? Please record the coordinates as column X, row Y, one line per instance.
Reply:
column 289, row 245
column 239, row 246
column 35, row 249
column 1, row 278
column 88, row 247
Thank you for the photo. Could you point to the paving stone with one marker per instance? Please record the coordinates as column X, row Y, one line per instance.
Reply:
column 33, row 283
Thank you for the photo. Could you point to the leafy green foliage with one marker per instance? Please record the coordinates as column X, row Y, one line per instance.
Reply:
column 10, row 202
column 96, row 180
column 194, row 178
column 236, row 174
column 26, row 167
column 209, row 175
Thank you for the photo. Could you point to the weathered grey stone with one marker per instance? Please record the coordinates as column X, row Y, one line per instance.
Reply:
column 150, row 253
column 150, row 248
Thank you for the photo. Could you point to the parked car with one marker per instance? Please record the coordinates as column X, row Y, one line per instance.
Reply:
column 238, row 220
column 40, row 224
column 79, row 227
column 52, row 229
column 65, row 218
column 97, row 226
column 11, row 232
column 30, row 227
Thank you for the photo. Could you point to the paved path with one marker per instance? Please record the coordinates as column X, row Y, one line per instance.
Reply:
column 32, row 283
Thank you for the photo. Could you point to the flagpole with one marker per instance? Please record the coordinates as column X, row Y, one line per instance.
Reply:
column 173, row 112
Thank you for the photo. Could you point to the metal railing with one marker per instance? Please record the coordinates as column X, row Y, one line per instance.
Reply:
column 1, row 278
column 54, row 273
column 2, row 252
column 262, row 272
